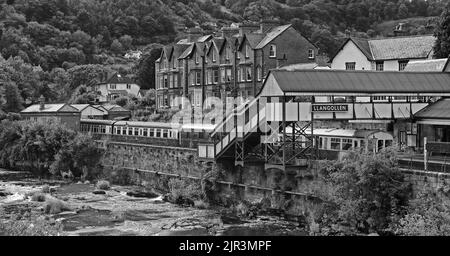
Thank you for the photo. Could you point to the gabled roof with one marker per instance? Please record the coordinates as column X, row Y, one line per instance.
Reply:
column 274, row 33
column 254, row 39
column 440, row 109
column 80, row 107
column 50, row 108
column 190, row 50
column 279, row 82
column 437, row 65
column 116, row 78
column 412, row 47
column 114, row 108
column 299, row 66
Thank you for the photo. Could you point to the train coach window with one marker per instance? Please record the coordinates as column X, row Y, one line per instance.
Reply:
column 347, row 144
column 103, row 129
column 136, row 132
column 165, row 133
column 321, row 142
column 124, row 131
column 388, row 143
column 151, row 133
column 145, row 133
column 336, row 143
column 158, row 133
column 130, row 131
column 380, row 144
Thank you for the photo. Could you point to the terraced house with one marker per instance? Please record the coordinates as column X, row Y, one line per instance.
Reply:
column 231, row 63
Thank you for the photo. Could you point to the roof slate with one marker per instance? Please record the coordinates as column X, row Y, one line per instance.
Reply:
column 342, row 81
column 437, row 65
column 439, row 109
column 402, row 47
column 275, row 32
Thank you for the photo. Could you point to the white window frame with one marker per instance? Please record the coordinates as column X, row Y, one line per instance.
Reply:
column 272, row 51
column 311, row 54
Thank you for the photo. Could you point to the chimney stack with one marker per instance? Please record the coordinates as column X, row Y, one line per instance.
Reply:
column 267, row 25
column 248, row 27
column 194, row 34
column 41, row 102
column 228, row 32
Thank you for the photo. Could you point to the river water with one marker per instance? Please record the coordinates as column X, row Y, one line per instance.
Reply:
column 115, row 213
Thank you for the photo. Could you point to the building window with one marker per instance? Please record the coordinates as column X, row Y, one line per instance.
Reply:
column 112, row 86
column 379, row 98
column 402, row 65
column 193, row 78
column 175, row 64
column 197, row 58
column 128, row 86
column 215, row 76
column 208, row 76
column 213, row 55
column 249, row 74
column 175, row 80
column 379, row 65
column 228, row 71
column 161, row 82
column 165, row 63
column 259, row 73
column 311, row 54
column 166, row 82
column 222, row 75
column 273, row 51
column 227, row 53
column 197, row 77
column 247, row 51
column 350, row 65
column 242, row 74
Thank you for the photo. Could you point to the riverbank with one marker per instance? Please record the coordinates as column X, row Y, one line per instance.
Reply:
column 115, row 212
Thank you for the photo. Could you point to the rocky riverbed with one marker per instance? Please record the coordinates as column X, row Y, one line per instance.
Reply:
column 122, row 210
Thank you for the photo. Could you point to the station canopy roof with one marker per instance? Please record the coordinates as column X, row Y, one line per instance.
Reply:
column 438, row 110
column 355, row 83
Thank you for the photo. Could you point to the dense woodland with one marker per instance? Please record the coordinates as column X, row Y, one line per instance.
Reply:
column 58, row 48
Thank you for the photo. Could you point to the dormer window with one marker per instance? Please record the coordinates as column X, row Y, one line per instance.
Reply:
column 175, row 64
column 197, row 58
column 213, row 55
column 311, row 54
column 273, row 51
column 227, row 53
column 247, row 51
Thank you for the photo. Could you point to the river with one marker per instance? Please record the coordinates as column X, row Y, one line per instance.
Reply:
column 117, row 214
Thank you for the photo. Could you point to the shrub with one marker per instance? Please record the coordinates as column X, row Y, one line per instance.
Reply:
column 369, row 190
column 183, row 189
column 38, row 197
column 428, row 215
column 46, row 189
column 55, row 206
column 103, row 185
column 35, row 227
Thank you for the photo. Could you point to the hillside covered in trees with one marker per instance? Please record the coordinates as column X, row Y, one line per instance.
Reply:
column 57, row 48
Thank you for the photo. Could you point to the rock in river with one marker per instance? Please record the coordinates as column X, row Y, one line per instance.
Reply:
column 99, row 192
column 142, row 194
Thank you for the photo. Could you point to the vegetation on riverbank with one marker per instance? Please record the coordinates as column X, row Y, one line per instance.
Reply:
column 48, row 149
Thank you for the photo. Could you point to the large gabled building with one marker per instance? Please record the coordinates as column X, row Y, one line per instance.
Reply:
column 384, row 54
column 232, row 63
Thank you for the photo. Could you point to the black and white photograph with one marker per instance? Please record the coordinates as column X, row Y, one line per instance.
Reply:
column 225, row 118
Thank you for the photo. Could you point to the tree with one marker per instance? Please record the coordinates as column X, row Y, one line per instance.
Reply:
column 145, row 69
column 116, row 47
column 13, row 99
column 442, row 34
column 370, row 192
column 126, row 42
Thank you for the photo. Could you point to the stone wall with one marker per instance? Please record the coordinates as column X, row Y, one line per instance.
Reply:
column 296, row 190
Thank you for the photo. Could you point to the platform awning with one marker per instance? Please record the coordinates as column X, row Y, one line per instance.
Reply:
column 355, row 83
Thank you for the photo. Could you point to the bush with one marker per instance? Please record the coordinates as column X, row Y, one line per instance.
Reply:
column 103, row 185
column 183, row 190
column 36, row 227
column 428, row 215
column 55, row 206
column 38, row 197
column 46, row 189
column 370, row 192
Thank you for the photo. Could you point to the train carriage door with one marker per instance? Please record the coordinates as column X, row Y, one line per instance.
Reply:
column 402, row 139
